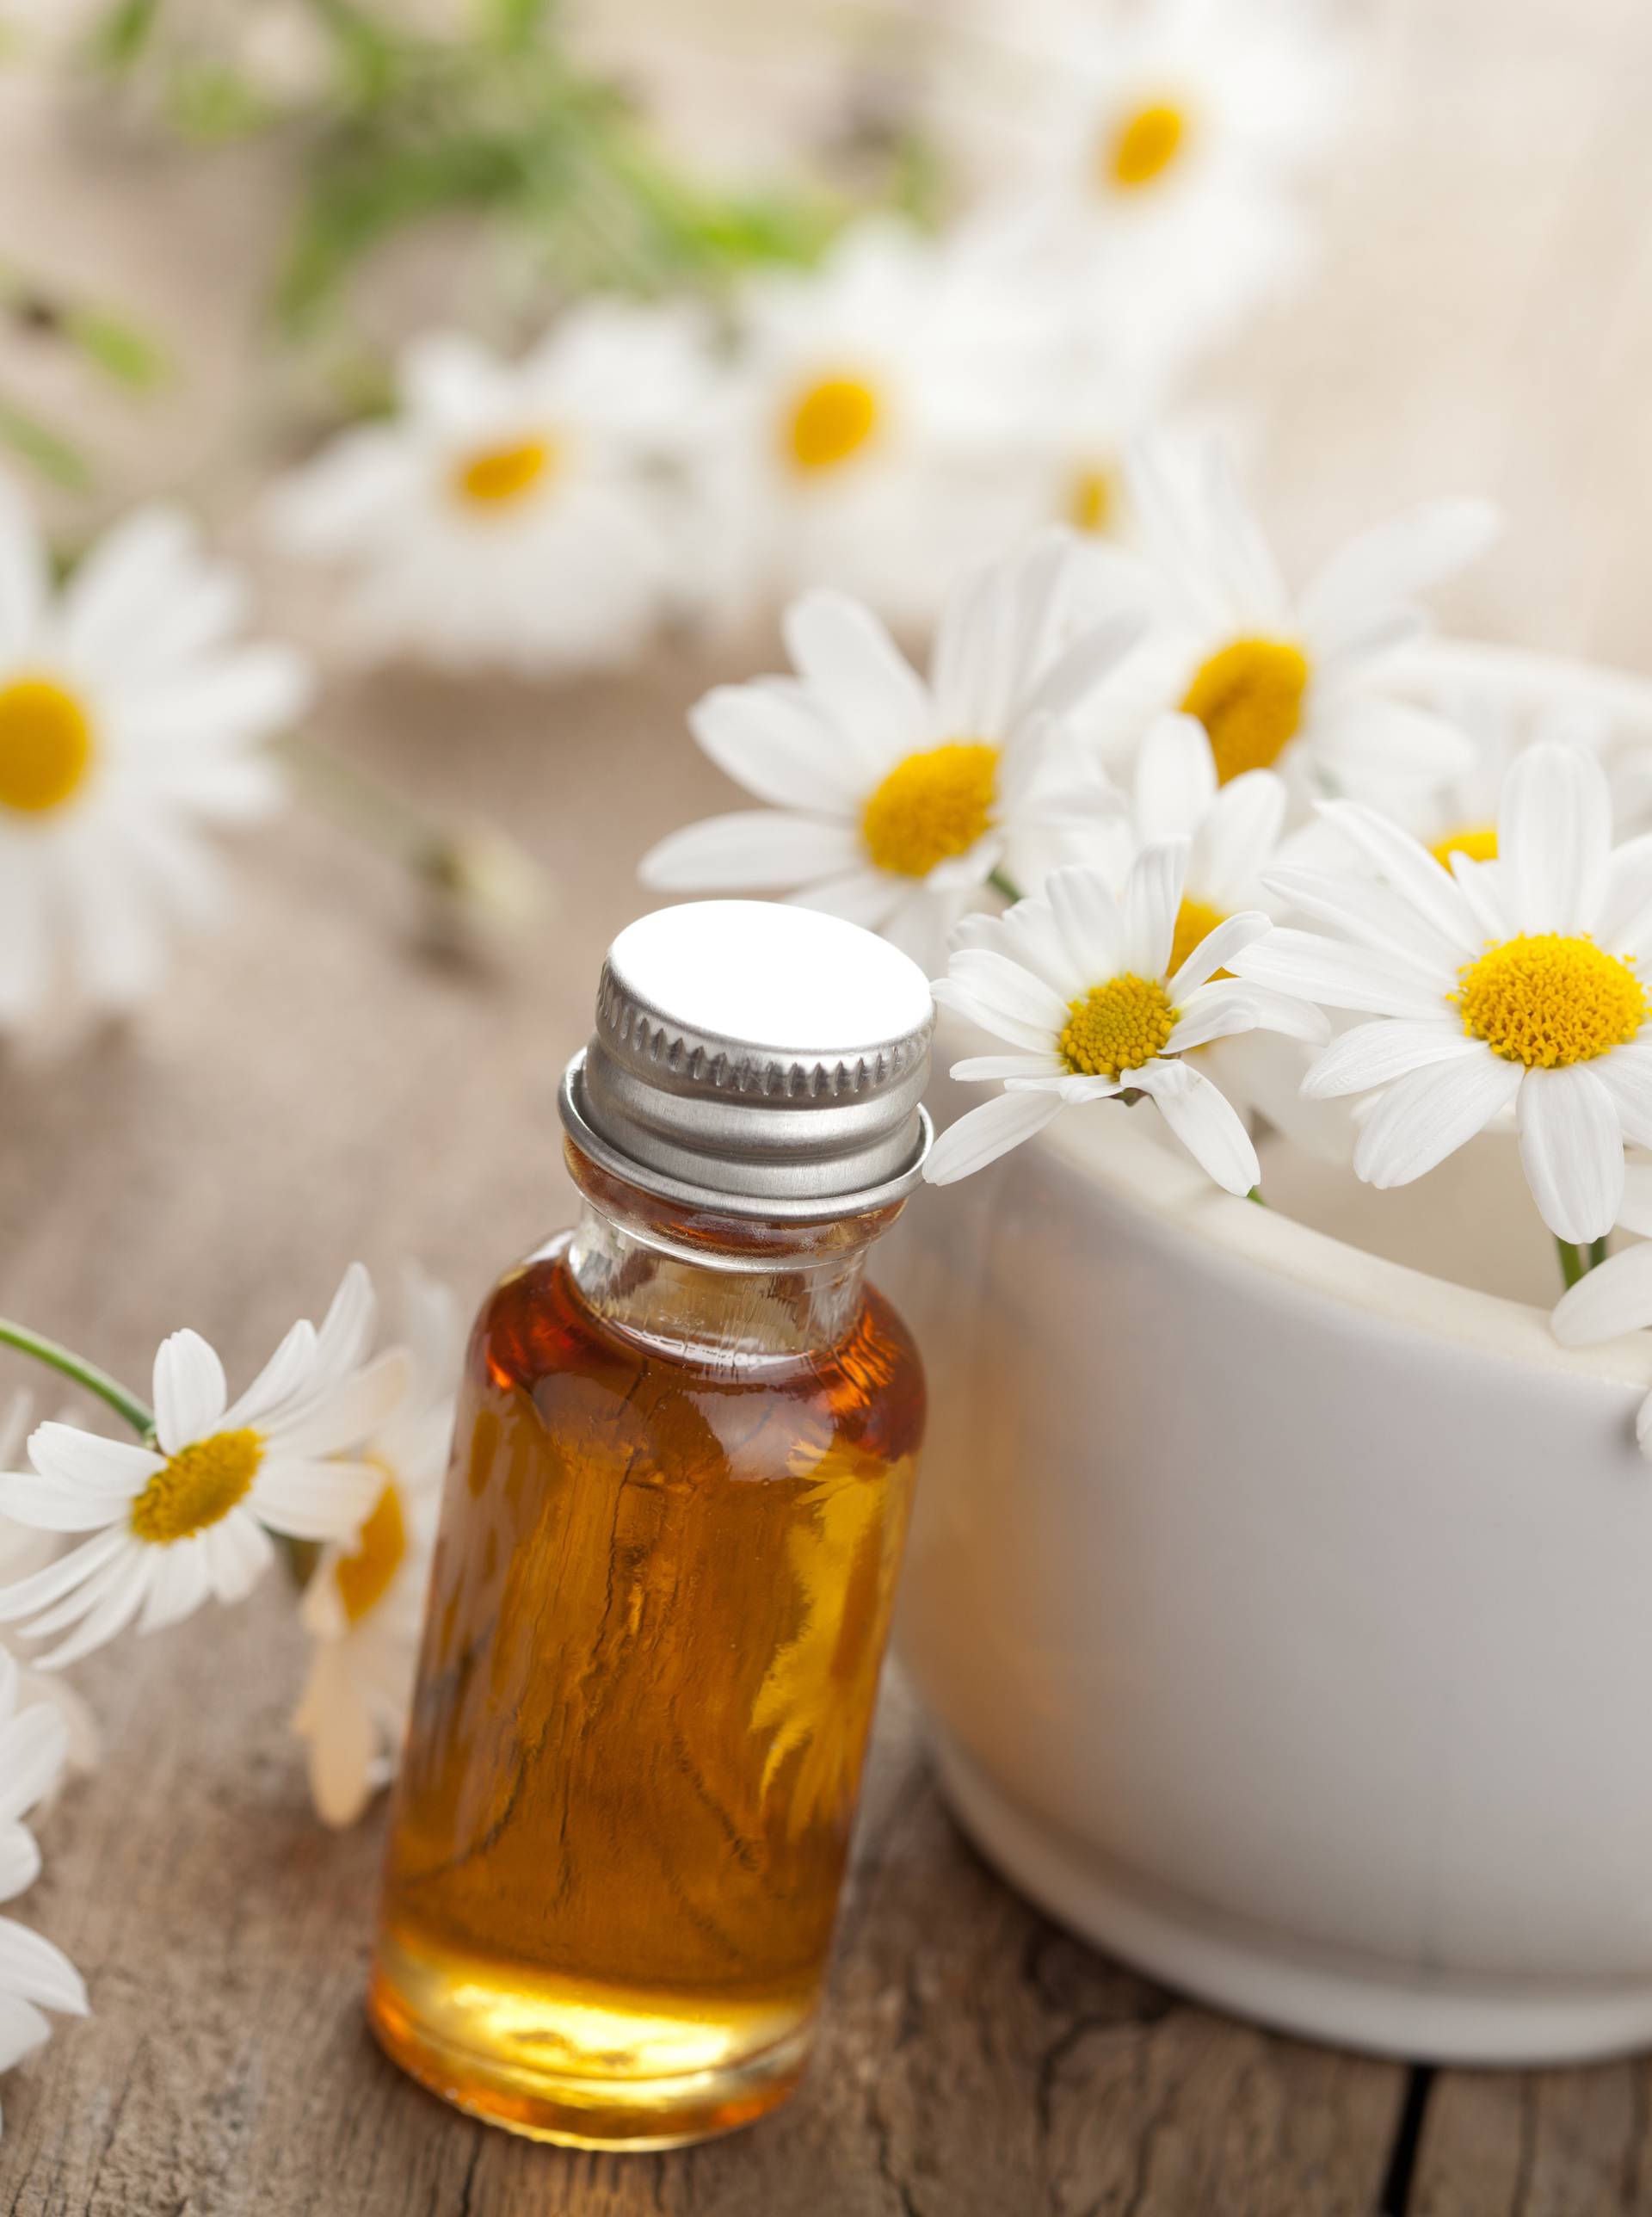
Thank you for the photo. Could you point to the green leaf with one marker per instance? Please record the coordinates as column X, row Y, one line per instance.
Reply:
column 43, row 447
column 119, row 40
column 120, row 350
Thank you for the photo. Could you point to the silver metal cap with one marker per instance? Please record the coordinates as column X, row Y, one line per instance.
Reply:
column 758, row 1059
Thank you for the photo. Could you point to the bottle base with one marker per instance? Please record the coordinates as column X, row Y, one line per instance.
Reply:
column 644, row 2116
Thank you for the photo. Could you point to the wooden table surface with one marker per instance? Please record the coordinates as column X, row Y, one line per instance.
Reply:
column 313, row 1088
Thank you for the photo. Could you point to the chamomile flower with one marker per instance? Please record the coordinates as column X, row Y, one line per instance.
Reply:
column 130, row 715
column 1159, row 150
column 364, row 1605
column 895, row 800
column 23, row 1550
column 1293, row 682
column 880, row 398
column 192, row 1515
column 1615, row 1297
column 517, row 514
column 1234, row 834
column 34, row 1975
column 1082, row 983
column 1502, row 988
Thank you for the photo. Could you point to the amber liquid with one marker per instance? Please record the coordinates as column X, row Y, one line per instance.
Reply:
column 658, row 1610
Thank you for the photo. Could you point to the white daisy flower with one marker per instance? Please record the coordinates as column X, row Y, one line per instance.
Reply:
column 364, row 1606
column 882, row 397
column 1295, row 683
column 1234, row 833
column 192, row 1514
column 34, row 1975
column 129, row 714
column 895, row 800
column 1615, row 1297
column 520, row 513
column 1159, row 149
column 23, row 1550
column 1082, row 983
column 1499, row 988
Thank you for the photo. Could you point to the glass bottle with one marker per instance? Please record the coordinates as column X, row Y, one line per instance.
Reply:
column 681, row 1472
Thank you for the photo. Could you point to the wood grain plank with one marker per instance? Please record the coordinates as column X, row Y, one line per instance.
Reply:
column 1537, row 2144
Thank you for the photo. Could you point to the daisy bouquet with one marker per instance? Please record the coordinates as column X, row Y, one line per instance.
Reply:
column 332, row 1456
column 1173, row 830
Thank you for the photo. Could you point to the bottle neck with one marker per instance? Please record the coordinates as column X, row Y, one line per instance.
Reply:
column 728, row 1292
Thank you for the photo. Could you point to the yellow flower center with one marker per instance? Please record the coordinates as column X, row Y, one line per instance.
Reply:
column 830, row 422
column 930, row 807
column 1143, row 146
column 1547, row 1001
column 196, row 1487
column 46, row 746
column 495, row 476
column 1248, row 697
column 364, row 1577
column 1117, row 1027
column 1477, row 841
column 1092, row 500
column 1194, row 923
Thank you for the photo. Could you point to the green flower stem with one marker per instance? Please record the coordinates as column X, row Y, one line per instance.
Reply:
column 1576, row 1262
column 1007, row 886
column 136, row 1413
column 1256, row 1195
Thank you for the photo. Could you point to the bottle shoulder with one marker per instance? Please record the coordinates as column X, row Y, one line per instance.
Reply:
column 535, row 1332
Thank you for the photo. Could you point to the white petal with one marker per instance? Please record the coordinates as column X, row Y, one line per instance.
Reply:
column 22, row 2030
column 866, row 897
column 842, row 651
column 761, row 850
column 1371, row 915
column 1625, row 923
column 71, row 1457
column 346, row 1330
column 345, row 1414
column 342, row 1743
column 1427, row 1115
column 315, row 1499
column 1377, row 1055
column 289, row 1372
column 1626, row 1073
column 78, row 1567
column 1636, row 1214
column 987, row 1132
column 1394, row 560
column 1236, row 838
column 1070, row 680
column 1218, row 949
column 1376, row 745
column 1090, row 923
column 118, row 1602
column 1554, row 838
column 1152, row 898
column 981, row 1067
column 1428, row 887
column 769, row 739
column 1312, row 968
column 19, row 1860
column 993, row 980
column 238, row 1553
column 178, row 1583
column 1175, row 779
column 1014, row 1031
column 48, row 1505
column 36, row 1971
column 35, row 1744
column 1205, row 1120
column 1571, row 1150
column 1612, row 1299
column 191, row 1393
